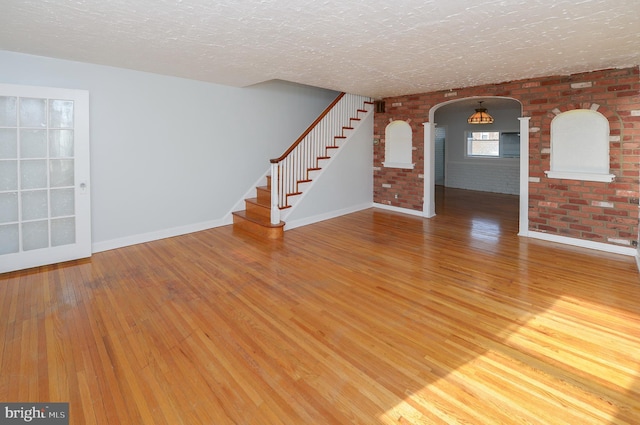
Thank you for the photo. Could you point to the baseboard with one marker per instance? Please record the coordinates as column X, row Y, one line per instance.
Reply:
column 160, row 234
column 398, row 209
column 614, row 249
column 325, row 216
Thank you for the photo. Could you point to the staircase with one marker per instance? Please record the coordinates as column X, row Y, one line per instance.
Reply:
column 296, row 169
column 256, row 218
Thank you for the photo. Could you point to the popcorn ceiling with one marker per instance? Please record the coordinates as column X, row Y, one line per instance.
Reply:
column 375, row 48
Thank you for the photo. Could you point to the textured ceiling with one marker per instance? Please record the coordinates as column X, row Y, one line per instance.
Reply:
column 375, row 48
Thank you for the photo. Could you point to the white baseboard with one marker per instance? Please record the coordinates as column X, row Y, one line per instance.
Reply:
column 614, row 249
column 160, row 234
column 326, row 216
column 399, row 210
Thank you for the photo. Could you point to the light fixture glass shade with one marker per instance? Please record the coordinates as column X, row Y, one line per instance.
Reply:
column 480, row 116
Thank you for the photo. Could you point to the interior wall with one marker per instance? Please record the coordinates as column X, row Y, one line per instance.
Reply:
column 170, row 155
column 593, row 211
column 499, row 175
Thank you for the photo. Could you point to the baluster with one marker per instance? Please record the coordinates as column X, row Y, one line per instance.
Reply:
column 294, row 168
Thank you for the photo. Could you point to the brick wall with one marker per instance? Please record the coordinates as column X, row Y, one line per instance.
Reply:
column 599, row 212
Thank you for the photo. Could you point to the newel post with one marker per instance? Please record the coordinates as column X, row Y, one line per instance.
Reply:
column 275, row 211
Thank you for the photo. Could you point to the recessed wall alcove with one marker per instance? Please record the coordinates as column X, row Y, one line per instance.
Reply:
column 580, row 146
column 398, row 150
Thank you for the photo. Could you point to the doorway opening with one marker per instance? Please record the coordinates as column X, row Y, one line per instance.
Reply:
column 490, row 159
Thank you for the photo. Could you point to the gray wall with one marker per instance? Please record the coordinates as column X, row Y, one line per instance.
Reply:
column 170, row 155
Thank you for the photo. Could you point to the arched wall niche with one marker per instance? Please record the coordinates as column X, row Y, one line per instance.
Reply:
column 579, row 142
column 398, row 145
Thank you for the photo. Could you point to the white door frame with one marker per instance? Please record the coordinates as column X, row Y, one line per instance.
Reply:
column 81, row 182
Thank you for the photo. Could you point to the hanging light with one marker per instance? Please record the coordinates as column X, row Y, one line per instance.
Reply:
column 480, row 116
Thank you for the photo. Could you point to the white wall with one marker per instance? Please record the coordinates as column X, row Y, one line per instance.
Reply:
column 170, row 155
column 499, row 175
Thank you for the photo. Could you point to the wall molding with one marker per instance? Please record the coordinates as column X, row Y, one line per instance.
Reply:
column 157, row 235
column 599, row 246
column 399, row 209
column 326, row 216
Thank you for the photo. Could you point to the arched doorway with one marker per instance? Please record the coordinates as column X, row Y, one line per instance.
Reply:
column 466, row 107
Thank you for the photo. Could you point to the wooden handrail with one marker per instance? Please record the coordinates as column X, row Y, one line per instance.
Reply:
column 308, row 130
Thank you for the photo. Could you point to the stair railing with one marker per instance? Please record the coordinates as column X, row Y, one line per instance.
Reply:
column 293, row 166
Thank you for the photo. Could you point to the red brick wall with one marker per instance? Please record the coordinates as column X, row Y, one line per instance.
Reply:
column 599, row 212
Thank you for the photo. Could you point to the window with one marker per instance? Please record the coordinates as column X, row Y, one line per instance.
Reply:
column 493, row 144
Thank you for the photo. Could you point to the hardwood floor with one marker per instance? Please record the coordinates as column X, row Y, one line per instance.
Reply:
column 374, row 317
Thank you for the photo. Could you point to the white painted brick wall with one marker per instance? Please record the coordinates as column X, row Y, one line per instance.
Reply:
column 491, row 177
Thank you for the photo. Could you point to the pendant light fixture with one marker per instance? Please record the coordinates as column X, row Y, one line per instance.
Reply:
column 480, row 116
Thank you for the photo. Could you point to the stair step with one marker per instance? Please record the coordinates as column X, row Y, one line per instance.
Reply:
column 292, row 194
column 313, row 172
column 264, row 194
column 257, row 207
column 257, row 225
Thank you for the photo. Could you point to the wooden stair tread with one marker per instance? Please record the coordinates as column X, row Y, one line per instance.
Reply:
column 257, row 225
column 259, row 202
column 258, row 220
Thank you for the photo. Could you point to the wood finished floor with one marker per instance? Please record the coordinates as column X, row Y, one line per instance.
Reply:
column 374, row 317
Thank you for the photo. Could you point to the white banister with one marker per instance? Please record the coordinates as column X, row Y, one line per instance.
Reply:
column 293, row 167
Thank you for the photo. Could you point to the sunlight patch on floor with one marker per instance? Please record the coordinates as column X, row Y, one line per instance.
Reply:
column 559, row 363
